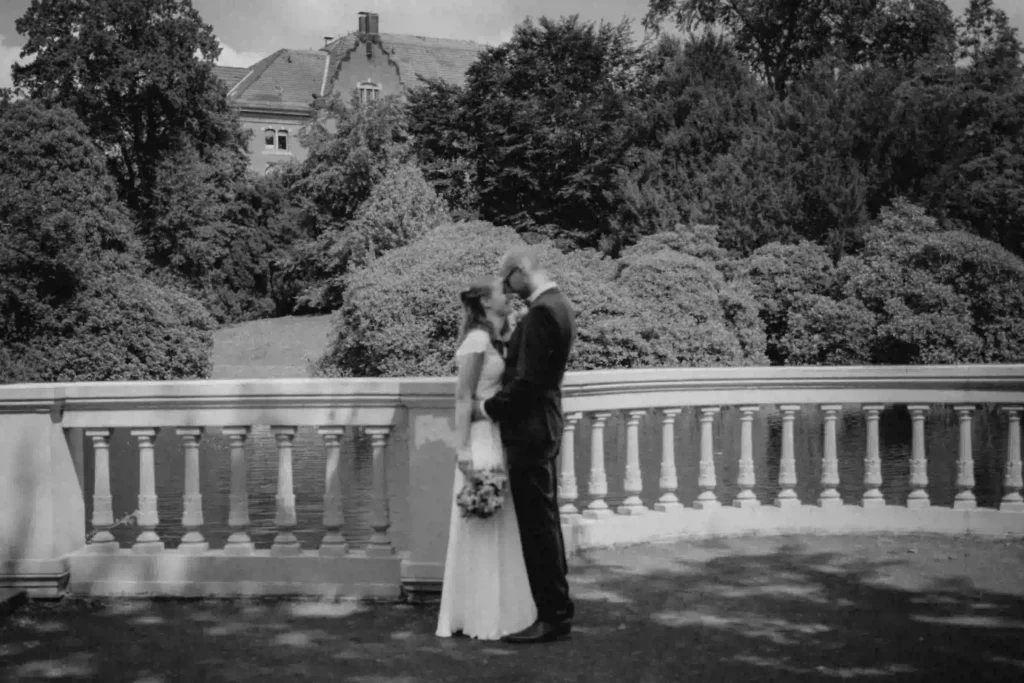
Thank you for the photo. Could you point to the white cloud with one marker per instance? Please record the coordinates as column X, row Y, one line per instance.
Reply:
column 232, row 57
column 8, row 58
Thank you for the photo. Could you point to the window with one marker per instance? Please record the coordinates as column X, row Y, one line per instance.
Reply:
column 275, row 139
column 368, row 92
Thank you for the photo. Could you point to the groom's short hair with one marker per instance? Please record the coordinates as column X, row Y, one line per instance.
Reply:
column 525, row 258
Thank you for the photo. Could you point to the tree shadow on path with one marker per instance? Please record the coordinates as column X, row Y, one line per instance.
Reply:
column 755, row 609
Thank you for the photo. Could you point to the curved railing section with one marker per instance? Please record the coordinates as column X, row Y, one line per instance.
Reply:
column 627, row 417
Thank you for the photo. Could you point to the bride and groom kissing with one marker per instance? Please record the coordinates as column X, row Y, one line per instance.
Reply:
column 505, row 575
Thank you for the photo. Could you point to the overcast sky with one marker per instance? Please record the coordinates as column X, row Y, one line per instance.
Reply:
column 251, row 29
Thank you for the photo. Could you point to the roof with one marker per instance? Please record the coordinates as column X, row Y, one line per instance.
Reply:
column 231, row 75
column 288, row 79
column 441, row 58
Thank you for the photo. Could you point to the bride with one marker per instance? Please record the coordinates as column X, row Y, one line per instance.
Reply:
column 486, row 592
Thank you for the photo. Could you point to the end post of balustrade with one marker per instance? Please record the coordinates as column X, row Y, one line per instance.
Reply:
column 1012, row 481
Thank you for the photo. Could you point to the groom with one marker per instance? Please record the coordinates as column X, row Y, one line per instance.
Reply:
column 529, row 412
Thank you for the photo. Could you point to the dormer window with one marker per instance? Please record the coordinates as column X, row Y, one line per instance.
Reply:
column 368, row 92
column 275, row 139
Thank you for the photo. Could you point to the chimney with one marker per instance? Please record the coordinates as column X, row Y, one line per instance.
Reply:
column 372, row 24
column 364, row 23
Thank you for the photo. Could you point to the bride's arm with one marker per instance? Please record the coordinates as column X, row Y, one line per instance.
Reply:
column 469, row 375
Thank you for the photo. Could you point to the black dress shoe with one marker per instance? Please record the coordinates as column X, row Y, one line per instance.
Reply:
column 541, row 632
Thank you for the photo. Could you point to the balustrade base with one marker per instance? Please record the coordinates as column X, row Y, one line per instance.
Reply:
column 632, row 510
column 240, row 549
column 40, row 579
column 193, row 548
column 873, row 503
column 1011, row 506
column 791, row 519
column 706, row 505
column 334, row 550
column 217, row 574
column 830, row 502
column 598, row 513
column 149, row 548
column 746, row 503
column 668, row 507
column 965, row 505
column 787, row 502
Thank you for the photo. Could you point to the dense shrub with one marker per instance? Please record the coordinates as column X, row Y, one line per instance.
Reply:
column 914, row 295
column 401, row 312
column 118, row 326
column 401, row 207
column 779, row 274
column 73, row 301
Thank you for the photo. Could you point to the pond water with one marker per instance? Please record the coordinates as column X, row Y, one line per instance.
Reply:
column 941, row 437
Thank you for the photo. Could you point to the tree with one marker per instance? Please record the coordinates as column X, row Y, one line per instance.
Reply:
column 138, row 73
column 783, row 39
column 550, row 115
column 74, row 304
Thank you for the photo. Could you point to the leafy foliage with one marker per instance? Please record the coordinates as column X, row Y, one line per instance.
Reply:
column 401, row 312
column 74, row 303
column 139, row 75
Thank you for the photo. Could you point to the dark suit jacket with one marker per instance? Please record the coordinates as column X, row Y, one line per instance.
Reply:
column 529, row 406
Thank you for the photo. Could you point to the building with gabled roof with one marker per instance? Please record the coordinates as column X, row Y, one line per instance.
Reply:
column 273, row 96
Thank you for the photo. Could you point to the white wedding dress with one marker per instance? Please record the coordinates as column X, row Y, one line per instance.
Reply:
column 486, row 592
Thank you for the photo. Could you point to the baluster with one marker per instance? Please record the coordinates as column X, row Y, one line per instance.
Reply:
column 918, row 498
column 239, row 542
column 285, row 542
column 745, row 479
column 148, row 541
column 333, row 543
column 633, row 483
column 567, row 475
column 829, row 496
column 965, row 464
column 706, row 479
column 102, row 502
column 597, row 487
column 668, row 483
column 787, row 467
column 379, row 544
column 192, row 506
column 1012, row 483
column 872, row 461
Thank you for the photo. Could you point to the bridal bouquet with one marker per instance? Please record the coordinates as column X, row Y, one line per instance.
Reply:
column 484, row 493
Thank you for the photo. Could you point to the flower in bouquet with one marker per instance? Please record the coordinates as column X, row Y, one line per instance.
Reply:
column 483, row 493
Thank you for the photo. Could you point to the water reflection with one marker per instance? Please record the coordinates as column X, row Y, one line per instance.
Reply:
column 941, row 433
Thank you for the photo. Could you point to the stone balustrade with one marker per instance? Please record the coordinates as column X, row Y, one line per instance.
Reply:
column 409, row 426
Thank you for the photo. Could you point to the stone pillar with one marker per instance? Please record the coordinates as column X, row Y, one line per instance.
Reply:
column 668, row 482
column 829, row 496
column 238, row 542
column 706, row 479
column 333, row 543
column 872, row 460
column 787, row 467
column 633, row 482
column 285, row 542
column 148, row 541
column 102, row 502
column 745, row 478
column 379, row 544
column 1012, row 484
column 965, row 464
column 192, row 515
column 598, row 485
column 567, row 491
column 918, row 498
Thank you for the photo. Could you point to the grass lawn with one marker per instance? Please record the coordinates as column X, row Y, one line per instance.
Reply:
column 277, row 347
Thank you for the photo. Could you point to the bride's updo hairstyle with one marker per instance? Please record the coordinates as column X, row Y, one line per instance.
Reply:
column 474, row 316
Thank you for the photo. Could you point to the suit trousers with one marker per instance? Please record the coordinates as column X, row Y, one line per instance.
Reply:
column 533, row 480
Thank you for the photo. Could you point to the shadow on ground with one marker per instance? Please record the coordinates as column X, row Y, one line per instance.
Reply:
column 755, row 609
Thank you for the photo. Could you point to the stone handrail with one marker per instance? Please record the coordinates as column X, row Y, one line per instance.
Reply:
column 409, row 421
